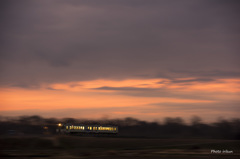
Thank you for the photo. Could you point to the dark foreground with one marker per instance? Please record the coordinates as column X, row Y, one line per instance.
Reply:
column 118, row 148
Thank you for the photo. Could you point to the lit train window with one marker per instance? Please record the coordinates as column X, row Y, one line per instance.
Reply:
column 66, row 127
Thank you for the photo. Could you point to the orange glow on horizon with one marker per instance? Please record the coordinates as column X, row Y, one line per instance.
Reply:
column 18, row 99
column 86, row 95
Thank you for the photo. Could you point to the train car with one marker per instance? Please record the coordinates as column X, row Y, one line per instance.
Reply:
column 86, row 129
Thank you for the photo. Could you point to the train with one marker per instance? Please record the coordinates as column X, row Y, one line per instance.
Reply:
column 86, row 129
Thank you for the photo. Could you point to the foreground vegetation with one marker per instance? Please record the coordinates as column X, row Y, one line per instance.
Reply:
column 118, row 147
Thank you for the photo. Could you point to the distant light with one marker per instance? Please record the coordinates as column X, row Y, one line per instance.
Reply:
column 59, row 124
column 45, row 127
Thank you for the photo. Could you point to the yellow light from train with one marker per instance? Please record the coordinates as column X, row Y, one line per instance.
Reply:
column 59, row 124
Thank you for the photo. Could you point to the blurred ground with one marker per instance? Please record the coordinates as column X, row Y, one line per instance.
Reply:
column 72, row 147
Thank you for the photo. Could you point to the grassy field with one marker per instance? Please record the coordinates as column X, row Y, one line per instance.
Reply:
column 110, row 147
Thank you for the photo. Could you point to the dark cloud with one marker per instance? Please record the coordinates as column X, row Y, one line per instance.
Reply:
column 189, row 81
column 124, row 88
column 165, row 92
column 202, row 75
column 69, row 40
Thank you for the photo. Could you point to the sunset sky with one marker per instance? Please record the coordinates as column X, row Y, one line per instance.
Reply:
column 146, row 59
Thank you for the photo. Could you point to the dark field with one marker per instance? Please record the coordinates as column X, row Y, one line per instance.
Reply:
column 115, row 147
column 25, row 137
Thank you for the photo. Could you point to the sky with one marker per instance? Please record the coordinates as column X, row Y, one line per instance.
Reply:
column 146, row 59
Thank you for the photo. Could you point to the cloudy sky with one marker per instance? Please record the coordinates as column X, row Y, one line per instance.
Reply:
column 146, row 59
